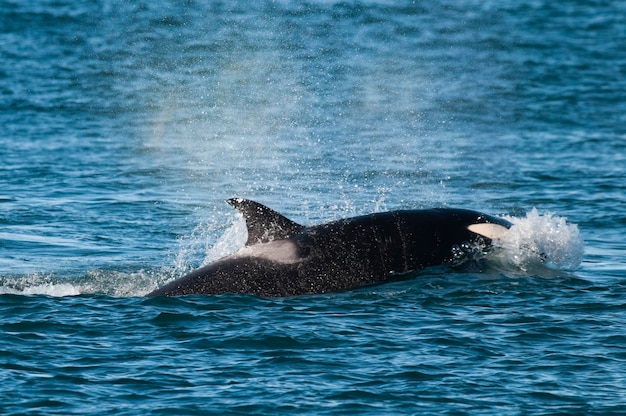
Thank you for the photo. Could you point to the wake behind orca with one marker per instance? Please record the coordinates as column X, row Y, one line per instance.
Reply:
column 282, row 258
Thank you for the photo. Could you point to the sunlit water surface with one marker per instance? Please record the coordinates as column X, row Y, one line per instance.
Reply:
column 126, row 125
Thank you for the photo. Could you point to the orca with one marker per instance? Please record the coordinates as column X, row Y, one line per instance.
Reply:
column 282, row 258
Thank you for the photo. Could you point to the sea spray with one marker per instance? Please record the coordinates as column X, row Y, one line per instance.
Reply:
column 542, row 240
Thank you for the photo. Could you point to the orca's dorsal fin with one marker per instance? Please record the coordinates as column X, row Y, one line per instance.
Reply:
column 263, row 223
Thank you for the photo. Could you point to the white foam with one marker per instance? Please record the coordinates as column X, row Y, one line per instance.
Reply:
column 53, row 289
column 541, row 240
column 37, row 284
column 112, row 283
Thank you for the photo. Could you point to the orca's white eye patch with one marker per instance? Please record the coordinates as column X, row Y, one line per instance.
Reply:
column 491, row 231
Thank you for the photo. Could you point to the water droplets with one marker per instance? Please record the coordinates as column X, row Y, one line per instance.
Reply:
column 542, row 239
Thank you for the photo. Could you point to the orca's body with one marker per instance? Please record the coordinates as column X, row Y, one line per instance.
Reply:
column 283, row 258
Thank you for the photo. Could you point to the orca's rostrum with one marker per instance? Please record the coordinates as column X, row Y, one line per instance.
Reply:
column 283, row 258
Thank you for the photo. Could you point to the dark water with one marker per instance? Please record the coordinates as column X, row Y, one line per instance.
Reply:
column 125, row 125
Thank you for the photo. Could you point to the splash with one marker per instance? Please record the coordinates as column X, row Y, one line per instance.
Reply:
column 541, row 240
column 37, row 284
column 201, row 244
column 104, row 282
column 194, row 250
column 532, row 243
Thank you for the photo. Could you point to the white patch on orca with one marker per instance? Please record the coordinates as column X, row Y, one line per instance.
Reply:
column 279, row 251
column 491, row 231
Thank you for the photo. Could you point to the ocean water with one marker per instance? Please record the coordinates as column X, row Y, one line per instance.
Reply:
column 124, row 126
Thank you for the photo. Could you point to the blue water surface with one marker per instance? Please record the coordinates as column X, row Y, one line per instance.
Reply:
column 125, row 125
